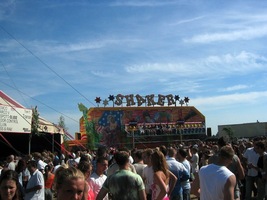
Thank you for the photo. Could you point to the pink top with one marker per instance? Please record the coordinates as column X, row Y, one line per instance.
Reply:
column 155, row 192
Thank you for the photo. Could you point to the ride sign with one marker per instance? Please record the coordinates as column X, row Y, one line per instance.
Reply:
column 16, row 120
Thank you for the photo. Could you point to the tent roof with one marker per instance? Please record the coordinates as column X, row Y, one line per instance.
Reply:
column 49, row 127
column 45, row 126
column 8, row 101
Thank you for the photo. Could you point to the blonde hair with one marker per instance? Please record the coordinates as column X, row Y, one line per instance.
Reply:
column 64, row 174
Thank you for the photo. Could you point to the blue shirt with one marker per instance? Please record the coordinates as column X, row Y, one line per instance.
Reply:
column 179, row 170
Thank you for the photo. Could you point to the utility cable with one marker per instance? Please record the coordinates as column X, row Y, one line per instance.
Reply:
column 13, row 82
column 46, row 65
column 41, row 102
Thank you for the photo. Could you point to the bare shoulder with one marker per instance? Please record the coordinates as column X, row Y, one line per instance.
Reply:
column 229, row 188
column 231, row 181
column 160, row 175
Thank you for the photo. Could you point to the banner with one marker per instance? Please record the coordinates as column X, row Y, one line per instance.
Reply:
column 15, row 120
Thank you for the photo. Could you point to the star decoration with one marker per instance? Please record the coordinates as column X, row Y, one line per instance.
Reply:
column 181, row 102
column 97, row 99
column 111, row 97
column 105, row 102
column 176, row 97
column 186, row 100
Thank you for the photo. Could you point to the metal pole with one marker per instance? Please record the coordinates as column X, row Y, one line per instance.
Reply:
column 53, row 142
column 133, row 138
column 30, row 139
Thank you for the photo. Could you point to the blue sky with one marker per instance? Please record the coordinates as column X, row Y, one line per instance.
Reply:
column 56, row 54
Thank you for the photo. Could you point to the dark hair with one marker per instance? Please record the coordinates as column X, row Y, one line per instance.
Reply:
column 163, row 149
column 171, row 152
column 101, row 159
column 138, row 154
column 56, row 161
column 260, row 144
column 48, row 167
column 101, row 151
column 32, row 163
column 182, row 152
column 222, row 141
column 22, row 164
column 83, row 166
column 85, row 157
column 11, row 175
column 121, row 158
column 148, row 152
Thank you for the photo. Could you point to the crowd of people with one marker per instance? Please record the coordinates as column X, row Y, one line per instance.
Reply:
column 218, row 170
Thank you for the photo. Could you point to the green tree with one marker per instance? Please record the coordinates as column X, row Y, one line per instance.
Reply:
column 92, row 136
column 62, row 124
column 229, row 131
column 34, row 125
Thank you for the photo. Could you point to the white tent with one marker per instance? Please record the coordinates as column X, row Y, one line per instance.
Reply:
column 48, row 127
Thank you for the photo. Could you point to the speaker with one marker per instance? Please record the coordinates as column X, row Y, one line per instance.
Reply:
column 78, row 136
column 209, row 132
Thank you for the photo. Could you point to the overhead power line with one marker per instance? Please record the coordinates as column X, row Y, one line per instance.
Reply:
column 40, row 102
column 13, row 83
column 46, row 65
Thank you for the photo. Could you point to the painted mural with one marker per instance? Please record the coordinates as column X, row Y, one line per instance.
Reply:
column 114, row 126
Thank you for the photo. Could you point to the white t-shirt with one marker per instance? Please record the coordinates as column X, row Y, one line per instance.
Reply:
column 148, row 175
column 41, row 165
column 139, row 167
column 96, row 182
column 195, row 161
column 22, row 174
column 252, row 157
column 131, row 159
column 186, row 184
column 37, row 178
column 212, row 180
column 12, row 165
column 55, row 168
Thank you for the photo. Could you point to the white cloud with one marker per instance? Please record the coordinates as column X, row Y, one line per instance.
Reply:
column 244, row 63
column 245, row 34
column 50, row 47
column 231, row 99
column 103, row 74
column 143, row 3
column 234, row 88
column 158, row 67
column 184, row 21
